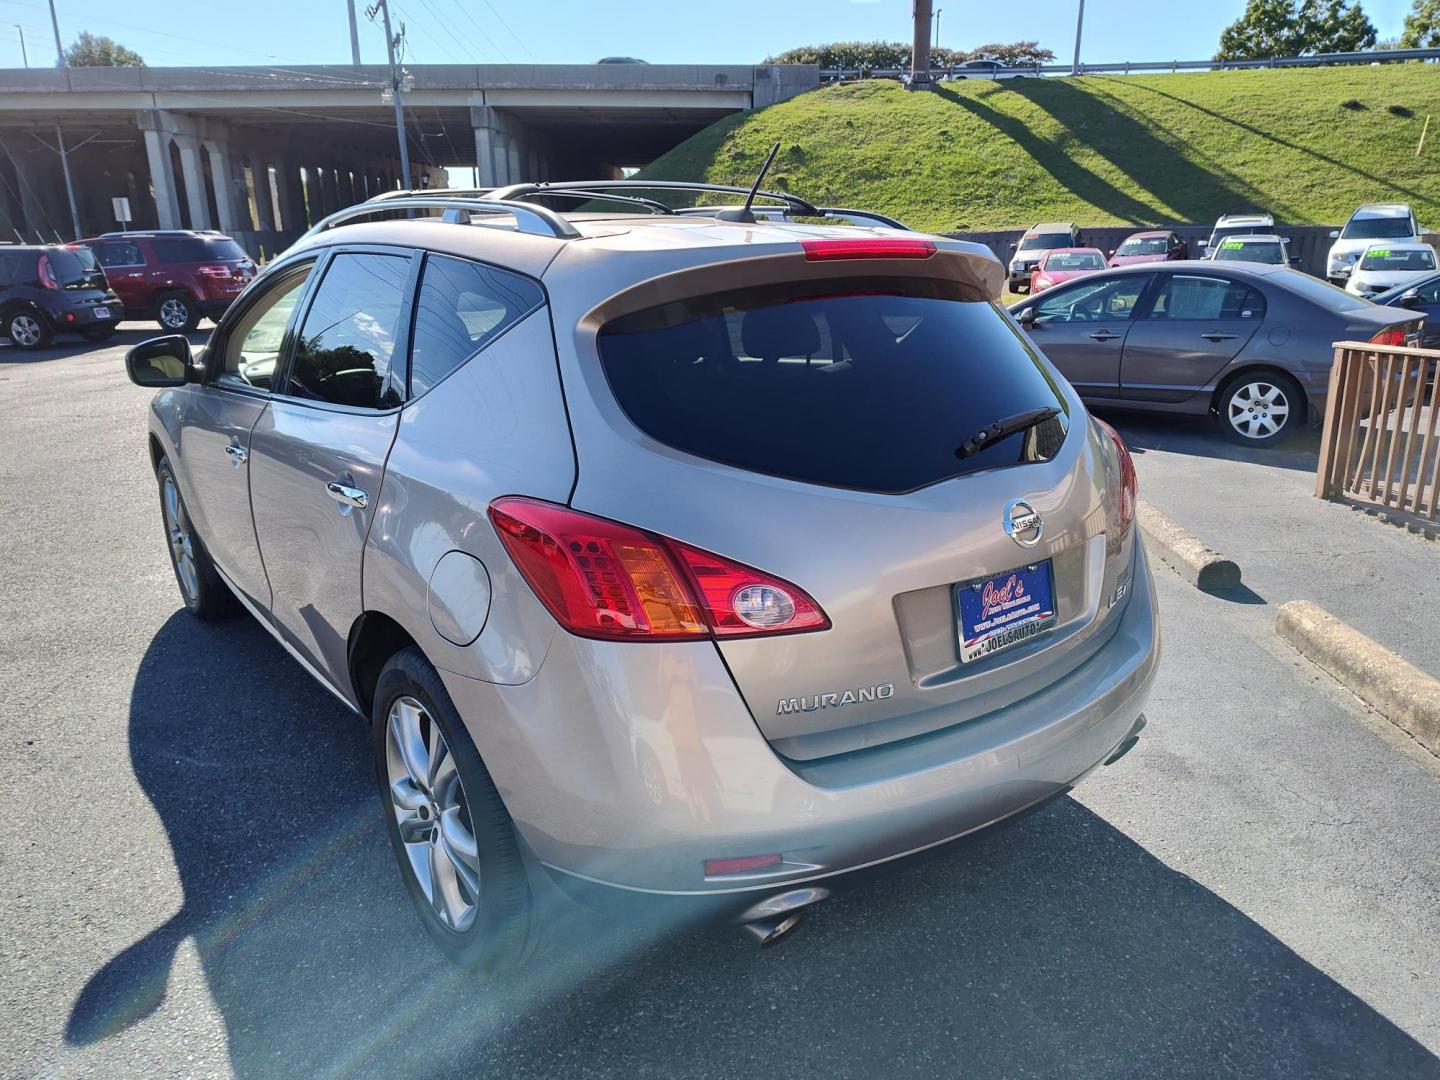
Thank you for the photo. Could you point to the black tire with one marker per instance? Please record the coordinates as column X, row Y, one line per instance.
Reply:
column 27, row 328
column 500, row 935
column 1241, row 406
column 176, row 312
column 205, row 593
column 98, row 333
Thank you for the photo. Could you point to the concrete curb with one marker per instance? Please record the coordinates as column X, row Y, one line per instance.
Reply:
column 1189, row 557
column 1390, row 684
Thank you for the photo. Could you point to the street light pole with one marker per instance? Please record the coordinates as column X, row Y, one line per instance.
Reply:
column 59, row 135
column 1079, row 26
column 390, row 42
column 354, row 35
column 24, row 56
column 935, row 44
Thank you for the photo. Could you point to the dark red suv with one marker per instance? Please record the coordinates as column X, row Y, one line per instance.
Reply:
column 174, row 277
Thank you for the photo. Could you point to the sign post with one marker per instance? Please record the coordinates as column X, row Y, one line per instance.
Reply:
column 122, row 211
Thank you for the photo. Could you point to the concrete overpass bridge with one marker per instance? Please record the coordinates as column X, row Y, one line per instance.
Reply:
column 262, row 152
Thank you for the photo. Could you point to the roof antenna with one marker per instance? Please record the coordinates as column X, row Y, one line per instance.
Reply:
column 743, row 213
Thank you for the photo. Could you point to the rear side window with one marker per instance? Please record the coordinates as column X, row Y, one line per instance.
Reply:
column 18, row 267
column 348, row 339
column 865, row 383
column 462, row 307
column 193, row 249
column 1184, row 297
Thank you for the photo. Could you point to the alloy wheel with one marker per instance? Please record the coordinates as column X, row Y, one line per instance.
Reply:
column 432, row 814
column 1257, row 410
column 182, row 541
column 174, row 312
column 25, row 330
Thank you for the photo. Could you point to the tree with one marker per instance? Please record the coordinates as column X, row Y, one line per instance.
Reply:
column 92, row 51
column 1270, row 28
column 871, row 55
column 1422, row 26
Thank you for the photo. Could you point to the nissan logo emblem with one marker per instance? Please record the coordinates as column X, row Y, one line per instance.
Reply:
column 1023, row 524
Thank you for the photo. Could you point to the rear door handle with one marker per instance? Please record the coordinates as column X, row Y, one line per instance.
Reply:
column 1104, row 335
column 347, row 496
column 239, row 453
column 1216, row 335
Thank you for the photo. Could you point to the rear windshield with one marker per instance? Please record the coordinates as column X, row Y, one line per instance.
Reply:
column 1149, row 245
column 1386, row 259
column 1045, row 241
column 75, row 268
column 188, row 249
column 869, row 383
column 1240, row 251
column 1222, row 231
column 1377, row 228
column 1317, row 291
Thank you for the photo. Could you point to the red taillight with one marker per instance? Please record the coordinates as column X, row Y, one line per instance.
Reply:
column 214, row 271
column 47, row 276
column 740, row 865
column 876, row 247
column 1129, row 482
column 1389, row 337
column 603, row 579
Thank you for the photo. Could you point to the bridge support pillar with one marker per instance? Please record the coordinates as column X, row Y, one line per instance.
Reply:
column 162, row 179
column 229, row 184
column 194, row 174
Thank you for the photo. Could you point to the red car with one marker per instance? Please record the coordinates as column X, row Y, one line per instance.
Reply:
column 174, row 277
column 1159, row 245
column 1064, row 264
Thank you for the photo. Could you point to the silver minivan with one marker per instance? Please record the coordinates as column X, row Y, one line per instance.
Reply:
column 667, row 556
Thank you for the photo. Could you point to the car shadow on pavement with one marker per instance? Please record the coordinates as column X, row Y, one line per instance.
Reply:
column 66, row 346
column 1057, row 946
column 1199, row 436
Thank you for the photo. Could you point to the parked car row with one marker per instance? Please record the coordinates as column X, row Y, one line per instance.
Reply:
column 175, row 277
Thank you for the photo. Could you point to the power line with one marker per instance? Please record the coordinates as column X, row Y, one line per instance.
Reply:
column 505, row 24
column 481, row 30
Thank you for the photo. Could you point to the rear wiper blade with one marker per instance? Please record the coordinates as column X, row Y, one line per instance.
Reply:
column 1001, row 428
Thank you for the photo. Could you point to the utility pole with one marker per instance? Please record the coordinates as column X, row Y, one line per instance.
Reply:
column 397, row 81
column 920, row 53
column 24, row 56
column 60, row 136
column 1079, row 26
column 354, row 34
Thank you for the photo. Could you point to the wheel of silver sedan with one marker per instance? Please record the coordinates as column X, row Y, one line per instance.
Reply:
column 432, row 814
column 182, row 540
column 174, row 313
column 1257, row 410
column 25, row 331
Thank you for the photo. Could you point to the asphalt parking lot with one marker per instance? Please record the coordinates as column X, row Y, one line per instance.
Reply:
column 195, row 879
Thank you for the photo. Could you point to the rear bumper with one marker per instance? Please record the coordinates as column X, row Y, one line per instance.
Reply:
column 628, row 766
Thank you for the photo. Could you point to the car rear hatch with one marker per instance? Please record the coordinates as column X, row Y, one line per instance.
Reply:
column 828, row 421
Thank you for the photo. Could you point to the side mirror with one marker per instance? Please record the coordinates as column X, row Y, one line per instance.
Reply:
column 1027, row 317
column 1334, row 234
column 1295, row 260
column 1203, row 243
column 1410, row 298
column 160, row 362
column 1014, row 244
column 1112, row 251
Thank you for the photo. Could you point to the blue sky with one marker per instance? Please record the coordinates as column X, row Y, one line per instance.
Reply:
column 169, row 32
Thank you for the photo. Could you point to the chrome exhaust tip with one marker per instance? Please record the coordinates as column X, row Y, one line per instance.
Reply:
column 768, row 932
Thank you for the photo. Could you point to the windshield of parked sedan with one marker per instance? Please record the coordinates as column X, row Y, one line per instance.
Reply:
column 1149, row 245
column 1386, row 259
column 1241, row 251
column 1377, row 228
column 1075, row 260
column 860, row 382
column 1045, row 241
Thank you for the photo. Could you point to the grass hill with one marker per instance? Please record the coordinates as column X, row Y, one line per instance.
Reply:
column 1308, row 145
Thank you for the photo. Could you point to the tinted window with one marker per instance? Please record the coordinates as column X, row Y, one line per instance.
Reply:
column 1184, row 297
column 870, row 383
column 18, row 267
column 254, row 344
column 345, row 347
column 1377, row 228
column 1045, row 241
column 74, row 268
column 1093, row 301
column 119, row 253
column 462, row 307
column 187, row 249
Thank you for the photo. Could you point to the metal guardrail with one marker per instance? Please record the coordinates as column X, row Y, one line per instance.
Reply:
column 1130, row 68
column 1379, row 445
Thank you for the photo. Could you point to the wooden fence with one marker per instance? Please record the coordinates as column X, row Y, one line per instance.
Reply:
column 1379, row 446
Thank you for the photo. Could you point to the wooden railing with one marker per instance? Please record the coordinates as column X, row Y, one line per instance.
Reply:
column 1379, row 445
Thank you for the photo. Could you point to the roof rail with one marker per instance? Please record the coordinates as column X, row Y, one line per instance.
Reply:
column 535, row 220
column 514, row 192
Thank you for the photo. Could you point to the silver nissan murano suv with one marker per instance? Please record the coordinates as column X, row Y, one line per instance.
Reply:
column 668, row 555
